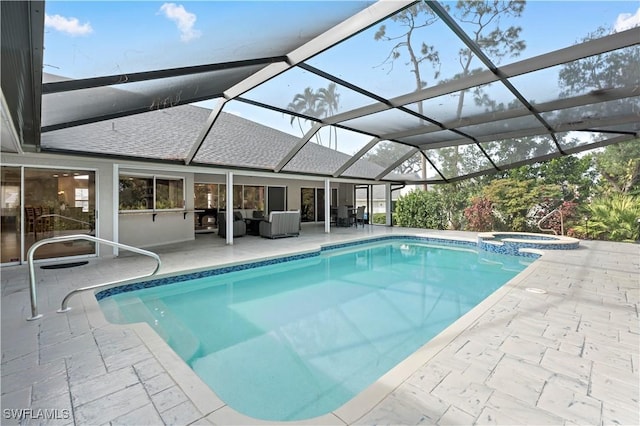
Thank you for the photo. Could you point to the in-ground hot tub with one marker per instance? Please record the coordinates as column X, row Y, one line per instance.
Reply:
column 513, row 242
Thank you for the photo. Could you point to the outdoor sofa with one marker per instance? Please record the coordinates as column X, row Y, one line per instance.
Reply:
column 281, row 224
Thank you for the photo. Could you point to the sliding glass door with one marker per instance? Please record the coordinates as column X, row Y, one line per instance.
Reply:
column 276, row 198
column 312, row 204
column 56, row 202
column 10, row 191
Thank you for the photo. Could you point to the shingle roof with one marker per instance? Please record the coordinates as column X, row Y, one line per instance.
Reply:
column 169, row 134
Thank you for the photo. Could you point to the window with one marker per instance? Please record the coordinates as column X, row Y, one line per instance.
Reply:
column 237, row 196
column 169, row 193
column 244, row 197
column 206, row 195
column 254, row 197
column 82, row 198
column 151, row 193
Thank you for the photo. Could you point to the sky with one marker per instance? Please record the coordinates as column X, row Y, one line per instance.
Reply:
column 90, row 38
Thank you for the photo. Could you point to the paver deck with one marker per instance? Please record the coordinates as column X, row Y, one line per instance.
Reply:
column 569, row 355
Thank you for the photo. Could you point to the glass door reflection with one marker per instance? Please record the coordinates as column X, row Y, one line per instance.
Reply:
column 59, row 202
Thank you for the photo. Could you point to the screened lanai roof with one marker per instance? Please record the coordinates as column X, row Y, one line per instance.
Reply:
column 425, row 91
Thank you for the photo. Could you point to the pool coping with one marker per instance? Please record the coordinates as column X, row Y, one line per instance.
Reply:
column 206, row 400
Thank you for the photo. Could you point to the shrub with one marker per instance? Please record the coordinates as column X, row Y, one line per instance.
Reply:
column 613, row 218
column 514, row 202
column 479, row 214
column 420, row 209
column 553, row 222
column 380, row 218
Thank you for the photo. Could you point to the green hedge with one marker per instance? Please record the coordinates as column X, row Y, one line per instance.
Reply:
column 380, row 218
column 420, row 209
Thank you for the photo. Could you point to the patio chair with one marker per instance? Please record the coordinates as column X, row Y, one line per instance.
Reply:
column 343, row 216
column 239, row 226
column 30, row 220
column 359, row 217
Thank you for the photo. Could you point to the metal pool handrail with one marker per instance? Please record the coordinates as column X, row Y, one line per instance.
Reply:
column 64, row 308
column 548, row 215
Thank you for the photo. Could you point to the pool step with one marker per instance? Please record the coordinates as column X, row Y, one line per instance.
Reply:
column 180, row 338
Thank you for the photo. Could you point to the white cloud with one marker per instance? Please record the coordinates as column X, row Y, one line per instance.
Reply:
column 183, row 19
column 627, row 21
column 70, row 26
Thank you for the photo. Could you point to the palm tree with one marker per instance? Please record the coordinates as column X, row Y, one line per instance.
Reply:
column 330, row 99
column 306, row 103
column 613, row 218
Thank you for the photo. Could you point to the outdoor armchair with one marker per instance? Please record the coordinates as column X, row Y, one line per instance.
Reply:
column 239, row 226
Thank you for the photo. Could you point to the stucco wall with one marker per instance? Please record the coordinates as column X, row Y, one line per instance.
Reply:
column 141, row 230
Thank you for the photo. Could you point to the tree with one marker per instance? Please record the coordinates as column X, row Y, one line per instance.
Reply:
column 600, row 72
column 613, row 218
column 305, row 103
column 479, row 214
column 386, row 151
column 455, row 198
column 409, row 21
column 483, row 17
column 619, row 167
column 515, row 201
column 330, row 100
column 323, row 102
column 597, row 74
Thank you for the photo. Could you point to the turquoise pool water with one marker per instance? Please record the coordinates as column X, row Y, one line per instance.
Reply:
column 299, row 339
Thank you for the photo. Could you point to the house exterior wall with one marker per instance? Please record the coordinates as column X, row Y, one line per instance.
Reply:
column 143, row 230
column 139, row 229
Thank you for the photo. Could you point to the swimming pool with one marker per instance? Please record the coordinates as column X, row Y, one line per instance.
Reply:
column 295, row 340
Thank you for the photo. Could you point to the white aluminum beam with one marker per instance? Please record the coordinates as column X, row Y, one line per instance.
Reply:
column 303, row 141
column 547, row 60
column 355, row 157
column 396, row 163
column 573, row 53
column 347, row 28
column 588, row 99
column 356, row 23
column 213, row 115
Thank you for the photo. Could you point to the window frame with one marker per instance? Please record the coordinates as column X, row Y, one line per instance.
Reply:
column 154, row 177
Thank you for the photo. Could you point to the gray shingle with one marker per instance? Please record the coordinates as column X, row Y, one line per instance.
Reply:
column 169, row 134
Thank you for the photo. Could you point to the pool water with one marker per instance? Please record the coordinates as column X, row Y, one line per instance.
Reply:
column 299, row 339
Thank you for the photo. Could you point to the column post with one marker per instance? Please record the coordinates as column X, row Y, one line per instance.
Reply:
column 387, row 207
column 229, row 213
column 327, row 206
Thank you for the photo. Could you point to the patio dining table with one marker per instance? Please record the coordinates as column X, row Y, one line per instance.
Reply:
column 351, row 211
